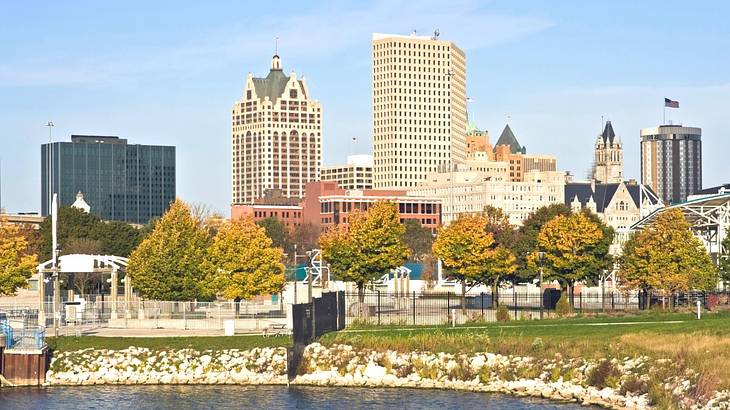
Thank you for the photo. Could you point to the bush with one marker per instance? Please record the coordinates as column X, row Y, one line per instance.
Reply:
column 603, row 375
column 563, row 308
column 503, row 314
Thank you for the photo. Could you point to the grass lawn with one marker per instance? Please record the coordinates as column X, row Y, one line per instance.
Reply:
column 71, row 343
column 698, row 344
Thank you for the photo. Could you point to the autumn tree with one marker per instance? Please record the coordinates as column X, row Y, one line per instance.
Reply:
column 17, row 264
column 167, row 265
column 525, row 243
column 243, row 262
column 469, row 254
column 371, row 247
column 570, row 245
column 306, row 236
column 666, row 257
column 418, row 238
column 83, row 246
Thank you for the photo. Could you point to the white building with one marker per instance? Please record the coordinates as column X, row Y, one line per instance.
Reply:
column 467, row 192
column 276, row 136
column 419, row 108
column 356, row 174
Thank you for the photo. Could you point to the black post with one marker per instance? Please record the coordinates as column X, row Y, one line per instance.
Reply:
column 482, row 305
column 414, row 308
column 378, row 307
column 613, row 305
column 514, row 298
column 542, row 301
column 580, row 300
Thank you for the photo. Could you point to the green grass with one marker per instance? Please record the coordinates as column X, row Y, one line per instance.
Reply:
column 71, row 343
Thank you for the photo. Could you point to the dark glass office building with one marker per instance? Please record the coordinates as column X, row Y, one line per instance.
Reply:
column 120, row 181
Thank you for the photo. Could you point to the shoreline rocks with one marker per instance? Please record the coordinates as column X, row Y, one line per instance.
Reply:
column 568, row 380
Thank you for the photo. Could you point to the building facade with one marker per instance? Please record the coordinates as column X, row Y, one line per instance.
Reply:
column 618, row 204
column 671, row 161
column 419, row 108
column 508, row 150
column 356, row 174
column 327, row 204
column 119, row 181
column 467, row 192
column 276, row 136
column 608, row 157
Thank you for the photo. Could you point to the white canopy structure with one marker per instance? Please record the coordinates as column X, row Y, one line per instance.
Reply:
column 78, row 263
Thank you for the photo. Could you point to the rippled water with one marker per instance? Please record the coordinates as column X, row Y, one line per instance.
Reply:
column 259, row 397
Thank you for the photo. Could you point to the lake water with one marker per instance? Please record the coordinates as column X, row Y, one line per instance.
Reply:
column 259, row 397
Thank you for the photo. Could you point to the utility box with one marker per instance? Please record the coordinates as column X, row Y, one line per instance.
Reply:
column 229, row 327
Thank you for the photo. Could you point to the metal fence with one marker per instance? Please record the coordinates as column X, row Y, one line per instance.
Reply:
column 78, row 317
column 388, row 308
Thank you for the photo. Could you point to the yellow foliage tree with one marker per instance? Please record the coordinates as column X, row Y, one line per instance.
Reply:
column 242, row 261
column 667, row 257
column 371, row 246
column 570, row 244
column 16, row 262
column 469, row 255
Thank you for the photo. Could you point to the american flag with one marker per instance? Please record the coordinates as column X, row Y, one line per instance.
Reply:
column 671, row 103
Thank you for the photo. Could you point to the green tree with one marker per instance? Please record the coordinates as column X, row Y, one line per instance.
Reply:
column 116, row 237
column 371, row 247
column 242, row 261
column 277, row 232
column 168, row 264
column 418, row 238
column 469, row 254
column 306, row 236
column 16, row 262
column 525, row 238
column 570, row 245
column 666, row 257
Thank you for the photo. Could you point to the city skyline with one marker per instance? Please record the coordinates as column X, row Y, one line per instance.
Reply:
column 554, row 72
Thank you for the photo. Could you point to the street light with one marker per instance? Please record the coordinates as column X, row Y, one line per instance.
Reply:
column 540, row 255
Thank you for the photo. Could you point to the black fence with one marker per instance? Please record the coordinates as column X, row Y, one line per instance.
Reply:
column 311, row 320
column 428, row 308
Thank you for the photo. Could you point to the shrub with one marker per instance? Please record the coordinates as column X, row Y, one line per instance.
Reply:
column 503, row 314
column 634, row 385
column 563, row 308
column 603, row 375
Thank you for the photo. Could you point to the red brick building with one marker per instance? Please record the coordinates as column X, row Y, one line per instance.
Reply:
column 325, row 204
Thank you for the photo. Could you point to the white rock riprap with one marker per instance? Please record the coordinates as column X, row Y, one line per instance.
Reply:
column 615, row 383
column 143, row 366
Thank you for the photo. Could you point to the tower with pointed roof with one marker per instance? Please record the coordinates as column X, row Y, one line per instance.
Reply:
column 276, row 136
column 609, row 157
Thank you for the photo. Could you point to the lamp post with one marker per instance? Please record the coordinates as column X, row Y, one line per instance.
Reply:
column 540, row 255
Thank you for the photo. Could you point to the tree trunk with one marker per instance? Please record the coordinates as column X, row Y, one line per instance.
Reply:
column 361, row 292
column 495, row 292
column 463, row 297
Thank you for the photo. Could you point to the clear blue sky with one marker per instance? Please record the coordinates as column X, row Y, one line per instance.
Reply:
column 167, row 72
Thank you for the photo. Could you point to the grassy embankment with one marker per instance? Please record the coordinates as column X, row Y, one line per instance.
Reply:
column 200, row 343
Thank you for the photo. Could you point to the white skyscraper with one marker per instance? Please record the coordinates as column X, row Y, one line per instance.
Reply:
column 419, row 108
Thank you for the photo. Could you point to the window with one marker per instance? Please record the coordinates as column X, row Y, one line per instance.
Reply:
column 248, row 94
column 292, row 93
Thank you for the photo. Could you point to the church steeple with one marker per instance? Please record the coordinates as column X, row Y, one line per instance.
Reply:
column 608, row 156
column 275, row 62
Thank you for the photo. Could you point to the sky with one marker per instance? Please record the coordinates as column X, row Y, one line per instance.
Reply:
column 168, row 72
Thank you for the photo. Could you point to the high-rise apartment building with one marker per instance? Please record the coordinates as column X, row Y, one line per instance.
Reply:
column 276, row 136
column 608, row 157
column 119, row 181
column 671, row 161
column 356, row 174
column 419, row 108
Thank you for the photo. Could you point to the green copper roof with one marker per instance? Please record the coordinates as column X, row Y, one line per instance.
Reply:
column 471, row 127
column 508, row 138
column 272, row 86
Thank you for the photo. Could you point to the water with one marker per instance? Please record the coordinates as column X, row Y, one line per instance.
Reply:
column 259, row 397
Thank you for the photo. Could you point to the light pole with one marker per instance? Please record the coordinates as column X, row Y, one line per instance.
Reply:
column 49, row 162
column 540, row 255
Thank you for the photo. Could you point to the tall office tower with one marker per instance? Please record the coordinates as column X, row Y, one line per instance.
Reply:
column 671, row 161
column 608, row 157
column 119, row 181
column 276, row 136
column 419, row 108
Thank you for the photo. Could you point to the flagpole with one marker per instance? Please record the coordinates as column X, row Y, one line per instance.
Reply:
column 664, row 115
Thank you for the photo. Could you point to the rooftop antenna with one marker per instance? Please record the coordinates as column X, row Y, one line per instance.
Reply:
column 276, row 47
column 414, row 32
column 436, row 34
